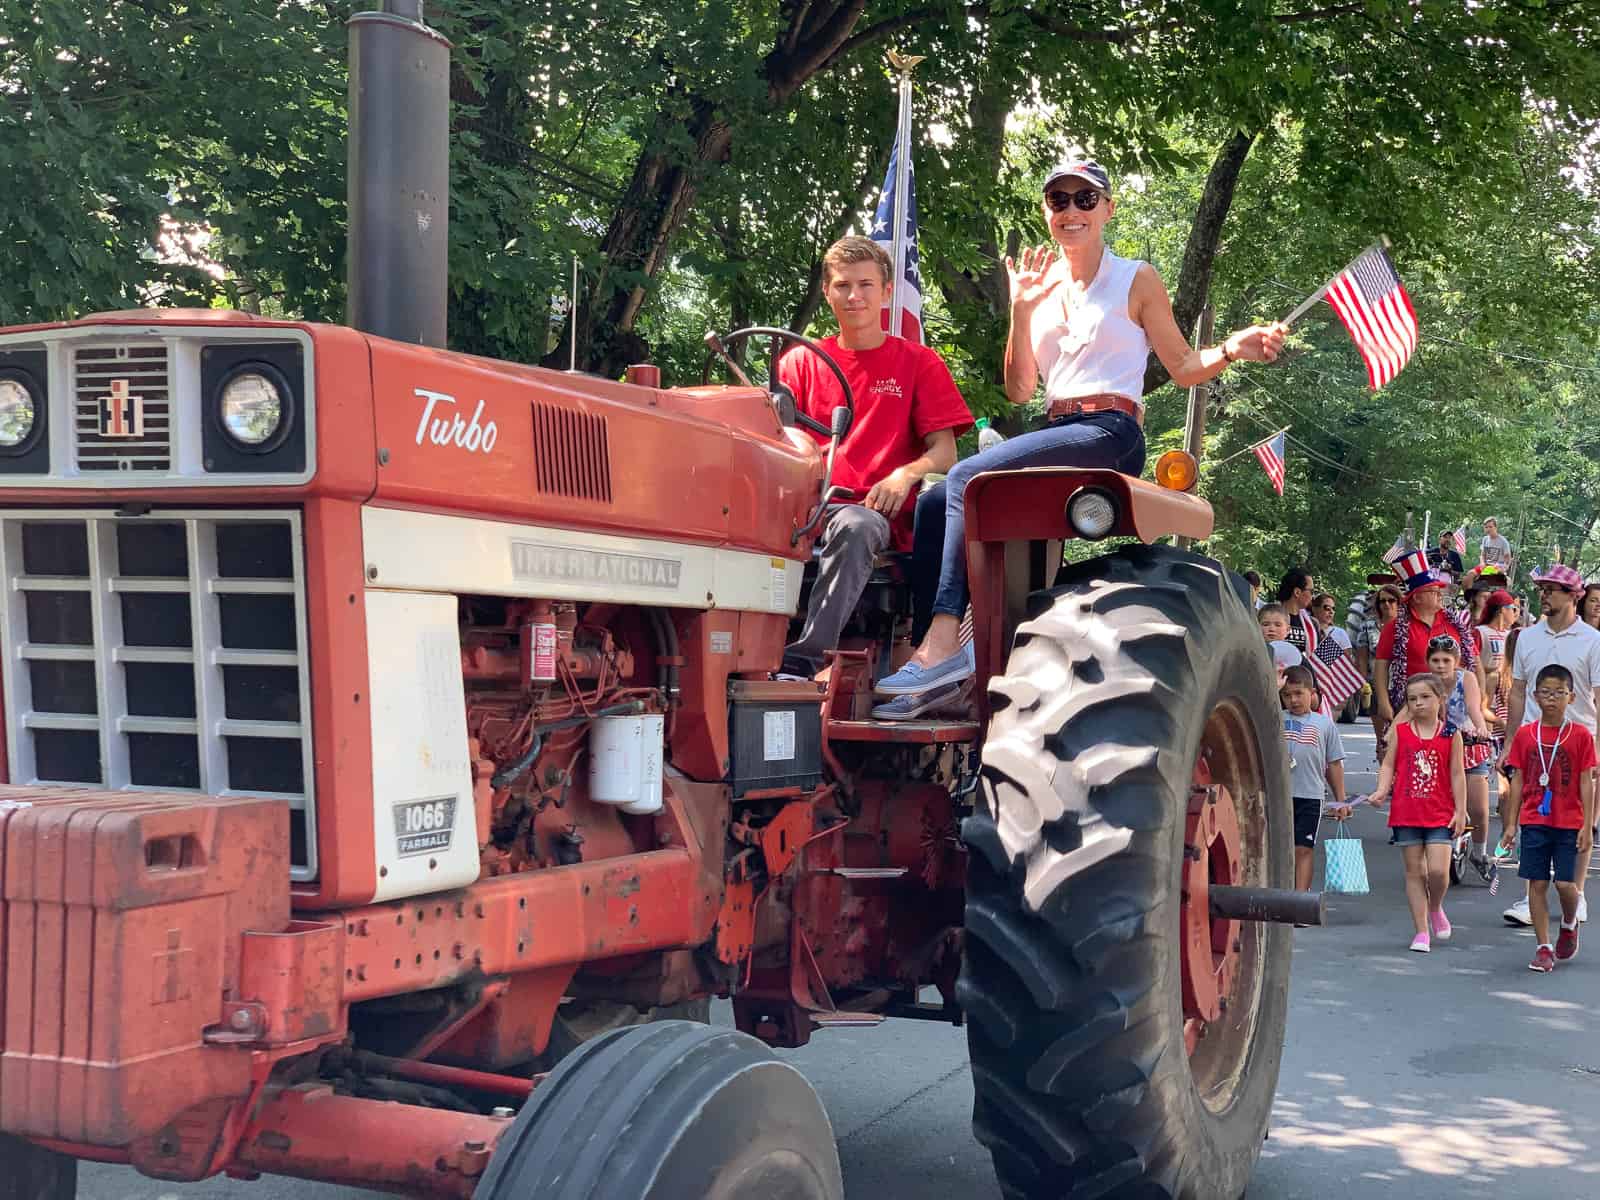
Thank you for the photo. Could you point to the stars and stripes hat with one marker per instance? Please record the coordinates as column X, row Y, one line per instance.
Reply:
column 1085, row 169
column 1414, row 569
column 1562, row 576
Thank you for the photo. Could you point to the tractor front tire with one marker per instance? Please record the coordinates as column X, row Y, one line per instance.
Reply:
column 668, row 1111
column 29, row 1172
column 1091, row 1079
column 582, row 1020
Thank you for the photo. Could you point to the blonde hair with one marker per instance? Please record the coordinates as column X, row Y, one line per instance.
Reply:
column 854, row 249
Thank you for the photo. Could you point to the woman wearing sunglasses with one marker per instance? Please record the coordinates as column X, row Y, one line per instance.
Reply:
column 1084, row 320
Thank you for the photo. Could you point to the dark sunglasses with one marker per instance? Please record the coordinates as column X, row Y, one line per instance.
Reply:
column 1444, row 642
column 1086, row 199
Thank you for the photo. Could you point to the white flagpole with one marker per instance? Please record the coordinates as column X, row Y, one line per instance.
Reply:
column 1427, row 520
column 1305, row 305
column 904, row 64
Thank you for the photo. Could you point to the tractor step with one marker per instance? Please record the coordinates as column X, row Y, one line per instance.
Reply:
column 846, row 1020
column 869, row 872
column 916, row 732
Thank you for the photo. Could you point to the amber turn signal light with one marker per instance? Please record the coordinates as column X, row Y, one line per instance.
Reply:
column 1178, row 470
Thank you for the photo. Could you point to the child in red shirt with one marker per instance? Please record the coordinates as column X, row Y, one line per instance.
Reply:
column 1553, row 785
column 1422, row 766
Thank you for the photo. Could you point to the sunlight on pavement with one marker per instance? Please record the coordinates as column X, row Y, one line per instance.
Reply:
column 1490, row 1137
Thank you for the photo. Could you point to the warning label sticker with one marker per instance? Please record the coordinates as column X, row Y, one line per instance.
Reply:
column 777, row 736
column 424, row 826
column 778, row 569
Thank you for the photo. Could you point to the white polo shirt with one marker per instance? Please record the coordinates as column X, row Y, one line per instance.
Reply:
column 1577, row 648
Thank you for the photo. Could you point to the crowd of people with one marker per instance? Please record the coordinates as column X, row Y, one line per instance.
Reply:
column 1470, row 702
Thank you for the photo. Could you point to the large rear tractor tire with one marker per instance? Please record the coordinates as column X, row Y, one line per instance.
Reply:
column 1123, row 1043
column 28, row 1172
column 668, row 1111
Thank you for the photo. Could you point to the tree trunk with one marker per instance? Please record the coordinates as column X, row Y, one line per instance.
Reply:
column 665, row 183
column 1205, row 234
column 811, row 303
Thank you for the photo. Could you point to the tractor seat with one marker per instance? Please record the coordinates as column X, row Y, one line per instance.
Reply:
column 893, row 566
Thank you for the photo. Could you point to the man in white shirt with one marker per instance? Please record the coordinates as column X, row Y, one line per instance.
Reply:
column 1559, row 638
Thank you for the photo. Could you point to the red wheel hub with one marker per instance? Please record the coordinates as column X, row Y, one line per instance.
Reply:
column 1210, row 947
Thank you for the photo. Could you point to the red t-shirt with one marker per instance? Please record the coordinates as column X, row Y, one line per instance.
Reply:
column 1423, row 792
column 903, row 392
column 1417, row 647
column 1574, row 756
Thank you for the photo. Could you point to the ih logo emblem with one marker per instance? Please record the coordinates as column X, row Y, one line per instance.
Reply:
column 121, row 413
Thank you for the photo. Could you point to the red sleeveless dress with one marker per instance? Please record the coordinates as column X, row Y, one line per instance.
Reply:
column 1422, row 794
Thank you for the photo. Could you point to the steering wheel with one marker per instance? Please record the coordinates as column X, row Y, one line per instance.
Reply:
column 782, row 398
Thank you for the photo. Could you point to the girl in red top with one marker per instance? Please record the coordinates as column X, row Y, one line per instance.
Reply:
column 1422, row 768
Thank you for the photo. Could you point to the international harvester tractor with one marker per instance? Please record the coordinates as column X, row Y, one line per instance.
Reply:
column 396, row 770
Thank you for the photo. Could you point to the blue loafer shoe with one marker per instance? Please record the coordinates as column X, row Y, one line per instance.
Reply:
column 907, row 708
column 911, row 679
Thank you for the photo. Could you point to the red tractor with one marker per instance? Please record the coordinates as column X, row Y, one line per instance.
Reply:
column 394, row 760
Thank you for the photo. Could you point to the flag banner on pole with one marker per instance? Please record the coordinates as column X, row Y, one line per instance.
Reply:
column 1394, row 552
column 1374, row 307
column 1337, row 677
column 1270, row 455
column 897, row 214
column 1459, row 539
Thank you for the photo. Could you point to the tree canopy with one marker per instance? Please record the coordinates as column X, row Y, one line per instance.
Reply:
column 697, row 156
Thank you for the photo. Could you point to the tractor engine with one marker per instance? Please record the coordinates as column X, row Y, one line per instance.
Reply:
column 566, row 727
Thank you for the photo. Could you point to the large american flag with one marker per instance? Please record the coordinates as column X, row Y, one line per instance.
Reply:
column 1374, row 307
column 906, row 300
column 1270, row 455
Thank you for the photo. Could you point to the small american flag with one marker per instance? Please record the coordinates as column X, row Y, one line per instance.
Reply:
column 1395, row 552
column 1270, row 455
column 1459, row 537
column 1337, row 677
column 1374, row 307
column 1296, row 730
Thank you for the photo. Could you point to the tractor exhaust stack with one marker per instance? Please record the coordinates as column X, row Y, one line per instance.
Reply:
column 399, row 175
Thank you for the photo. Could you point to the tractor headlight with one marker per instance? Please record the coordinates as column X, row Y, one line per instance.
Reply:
column 17, row 414
column 1092, row 513
column 253, row 406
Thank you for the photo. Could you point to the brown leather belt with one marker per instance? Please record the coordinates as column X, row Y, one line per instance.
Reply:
column 1073, row 406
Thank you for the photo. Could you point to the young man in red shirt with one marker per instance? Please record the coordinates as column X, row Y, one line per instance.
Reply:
column 1553, row 761
column 908, row 414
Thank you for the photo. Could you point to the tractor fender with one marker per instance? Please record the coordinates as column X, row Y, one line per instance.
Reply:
column 1015, row 524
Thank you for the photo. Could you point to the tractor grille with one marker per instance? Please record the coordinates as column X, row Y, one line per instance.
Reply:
column 571, row 453
column 103, row 376
column 159, row 652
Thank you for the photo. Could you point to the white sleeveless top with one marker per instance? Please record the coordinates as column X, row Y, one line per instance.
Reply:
column 1102, row 350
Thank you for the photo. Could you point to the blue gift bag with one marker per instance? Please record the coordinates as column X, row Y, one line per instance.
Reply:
column 1345, row 864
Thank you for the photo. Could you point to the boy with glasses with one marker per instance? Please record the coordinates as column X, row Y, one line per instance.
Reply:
column 1559, row 639
column 1552, row 797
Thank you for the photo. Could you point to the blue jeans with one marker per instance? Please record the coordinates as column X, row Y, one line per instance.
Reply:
column 1111, row 440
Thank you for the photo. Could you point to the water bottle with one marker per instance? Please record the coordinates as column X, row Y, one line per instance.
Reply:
column 988, row 436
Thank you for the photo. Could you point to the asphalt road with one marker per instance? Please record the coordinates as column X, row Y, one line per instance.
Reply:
column 1452, row 1075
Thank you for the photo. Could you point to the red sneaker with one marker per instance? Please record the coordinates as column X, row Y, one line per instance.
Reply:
column 1567, row 944
column 1543, row 960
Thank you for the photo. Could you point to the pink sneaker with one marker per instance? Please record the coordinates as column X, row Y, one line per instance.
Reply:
column 1420, row 943
column 1440, row 924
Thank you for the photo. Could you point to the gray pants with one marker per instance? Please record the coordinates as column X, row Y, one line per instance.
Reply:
column 852, row 537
